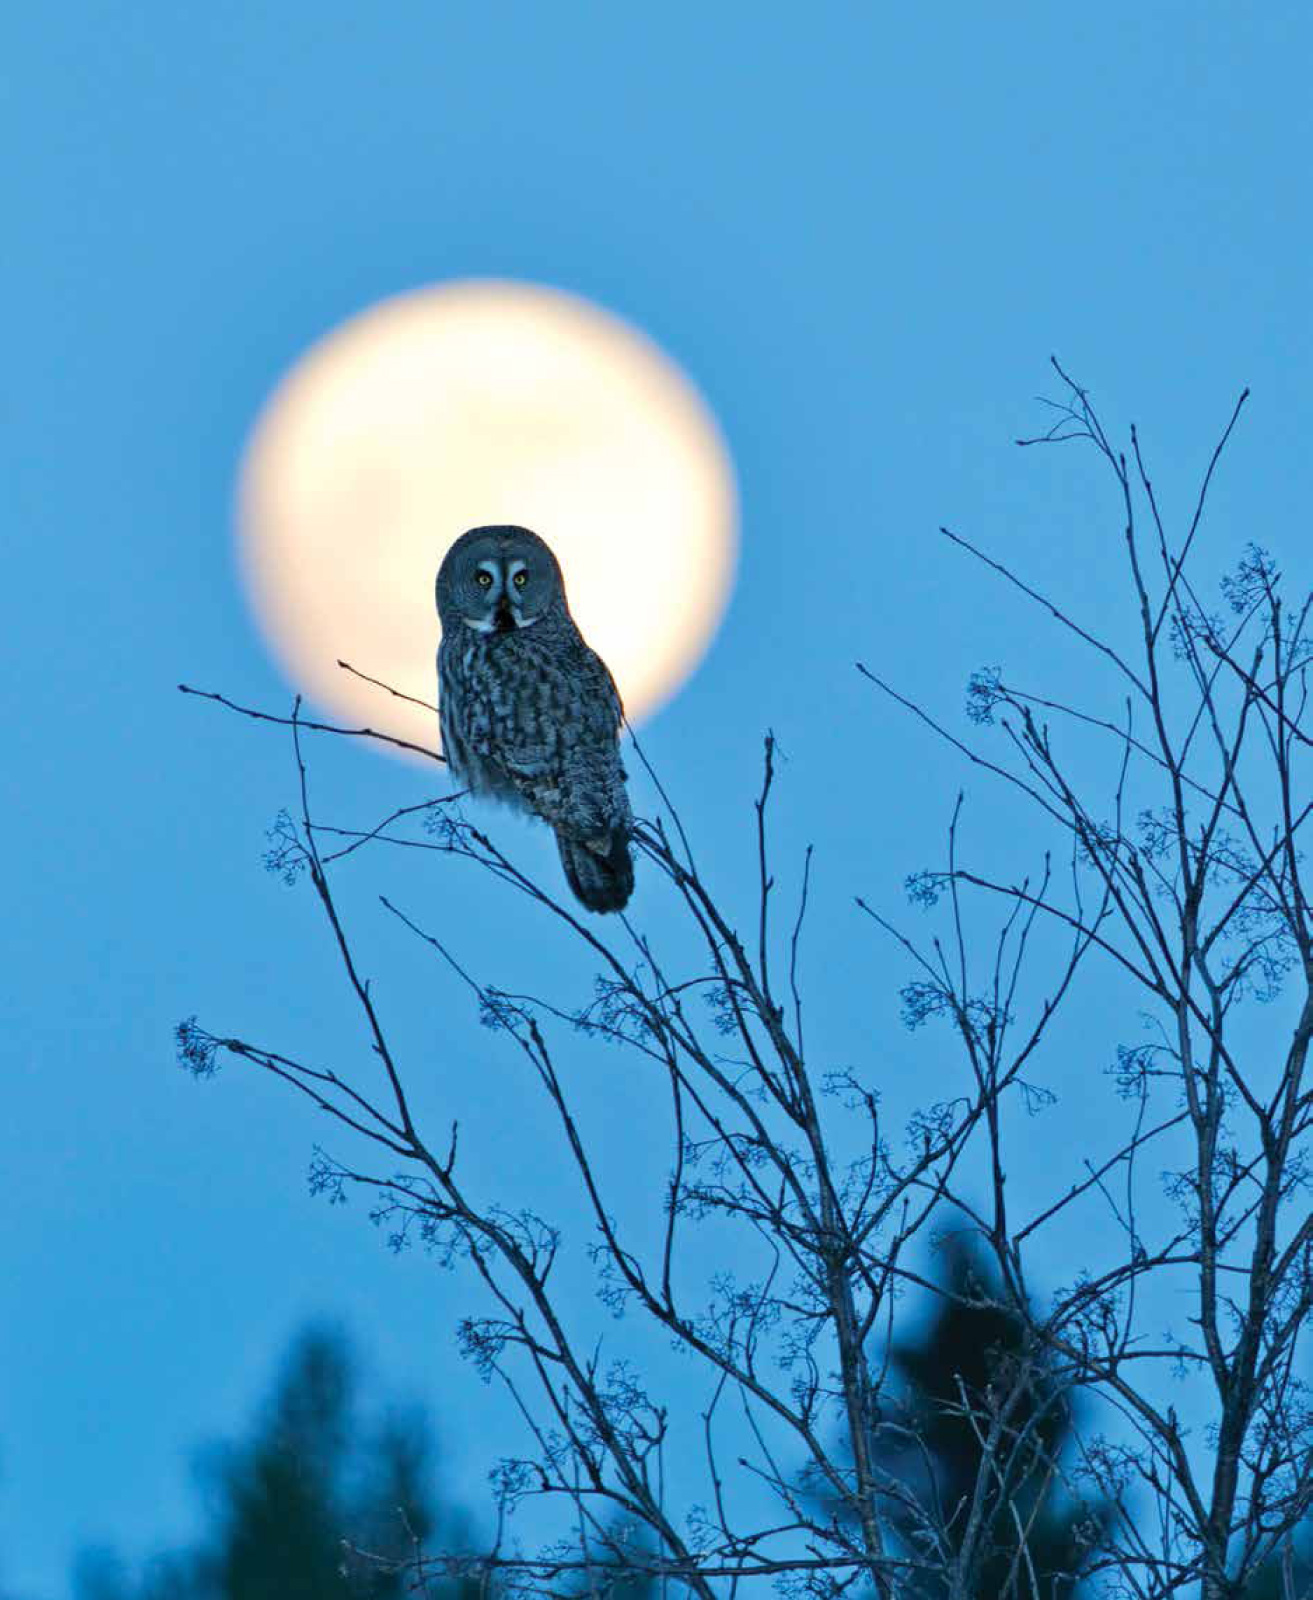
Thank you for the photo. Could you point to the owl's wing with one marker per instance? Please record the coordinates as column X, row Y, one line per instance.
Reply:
column 568, row 770
column 601, row 698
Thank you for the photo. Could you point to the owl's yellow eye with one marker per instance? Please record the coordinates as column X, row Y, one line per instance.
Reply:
column 520, row 579
column 483, row 579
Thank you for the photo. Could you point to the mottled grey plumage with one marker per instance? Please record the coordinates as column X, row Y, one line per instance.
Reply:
column 529, row 713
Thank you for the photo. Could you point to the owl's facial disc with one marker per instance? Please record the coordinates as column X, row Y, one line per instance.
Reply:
column 499, row 581
column 518, row 593
column 519, row 602
column 486, row 586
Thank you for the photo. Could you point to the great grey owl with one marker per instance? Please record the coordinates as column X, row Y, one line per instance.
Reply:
column 529, row 713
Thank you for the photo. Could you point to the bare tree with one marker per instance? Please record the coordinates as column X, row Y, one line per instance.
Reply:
column 1177, row 878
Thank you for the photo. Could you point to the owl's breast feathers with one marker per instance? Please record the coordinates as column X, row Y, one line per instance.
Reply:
column 533, row 718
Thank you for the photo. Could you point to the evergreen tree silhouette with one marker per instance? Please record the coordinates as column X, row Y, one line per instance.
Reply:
column 1270, row 1584
column 311, row 1475
column 964, row 1353
column 964, row 1349
column 283, row 1501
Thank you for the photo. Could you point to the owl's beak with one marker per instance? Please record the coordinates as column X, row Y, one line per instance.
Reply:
column 504, row 618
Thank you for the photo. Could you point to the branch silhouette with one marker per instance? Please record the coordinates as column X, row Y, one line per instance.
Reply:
column 1175, row 880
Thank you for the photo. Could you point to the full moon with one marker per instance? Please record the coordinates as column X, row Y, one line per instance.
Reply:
column 478, row 402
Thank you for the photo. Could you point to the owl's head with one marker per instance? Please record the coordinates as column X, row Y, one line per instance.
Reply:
column 498, row 579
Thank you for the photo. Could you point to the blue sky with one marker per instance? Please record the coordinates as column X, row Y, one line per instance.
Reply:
column 861, row 229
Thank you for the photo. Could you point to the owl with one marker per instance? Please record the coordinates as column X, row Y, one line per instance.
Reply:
column 529, row 714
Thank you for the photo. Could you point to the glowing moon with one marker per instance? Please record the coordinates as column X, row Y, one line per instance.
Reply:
column 474, row 402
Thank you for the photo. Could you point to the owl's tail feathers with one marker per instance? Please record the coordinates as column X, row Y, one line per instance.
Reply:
column 601, row 872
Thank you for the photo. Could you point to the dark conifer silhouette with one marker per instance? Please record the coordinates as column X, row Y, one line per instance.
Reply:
column 295, row 1503
column 952, row 1375
column 1289, row 1574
